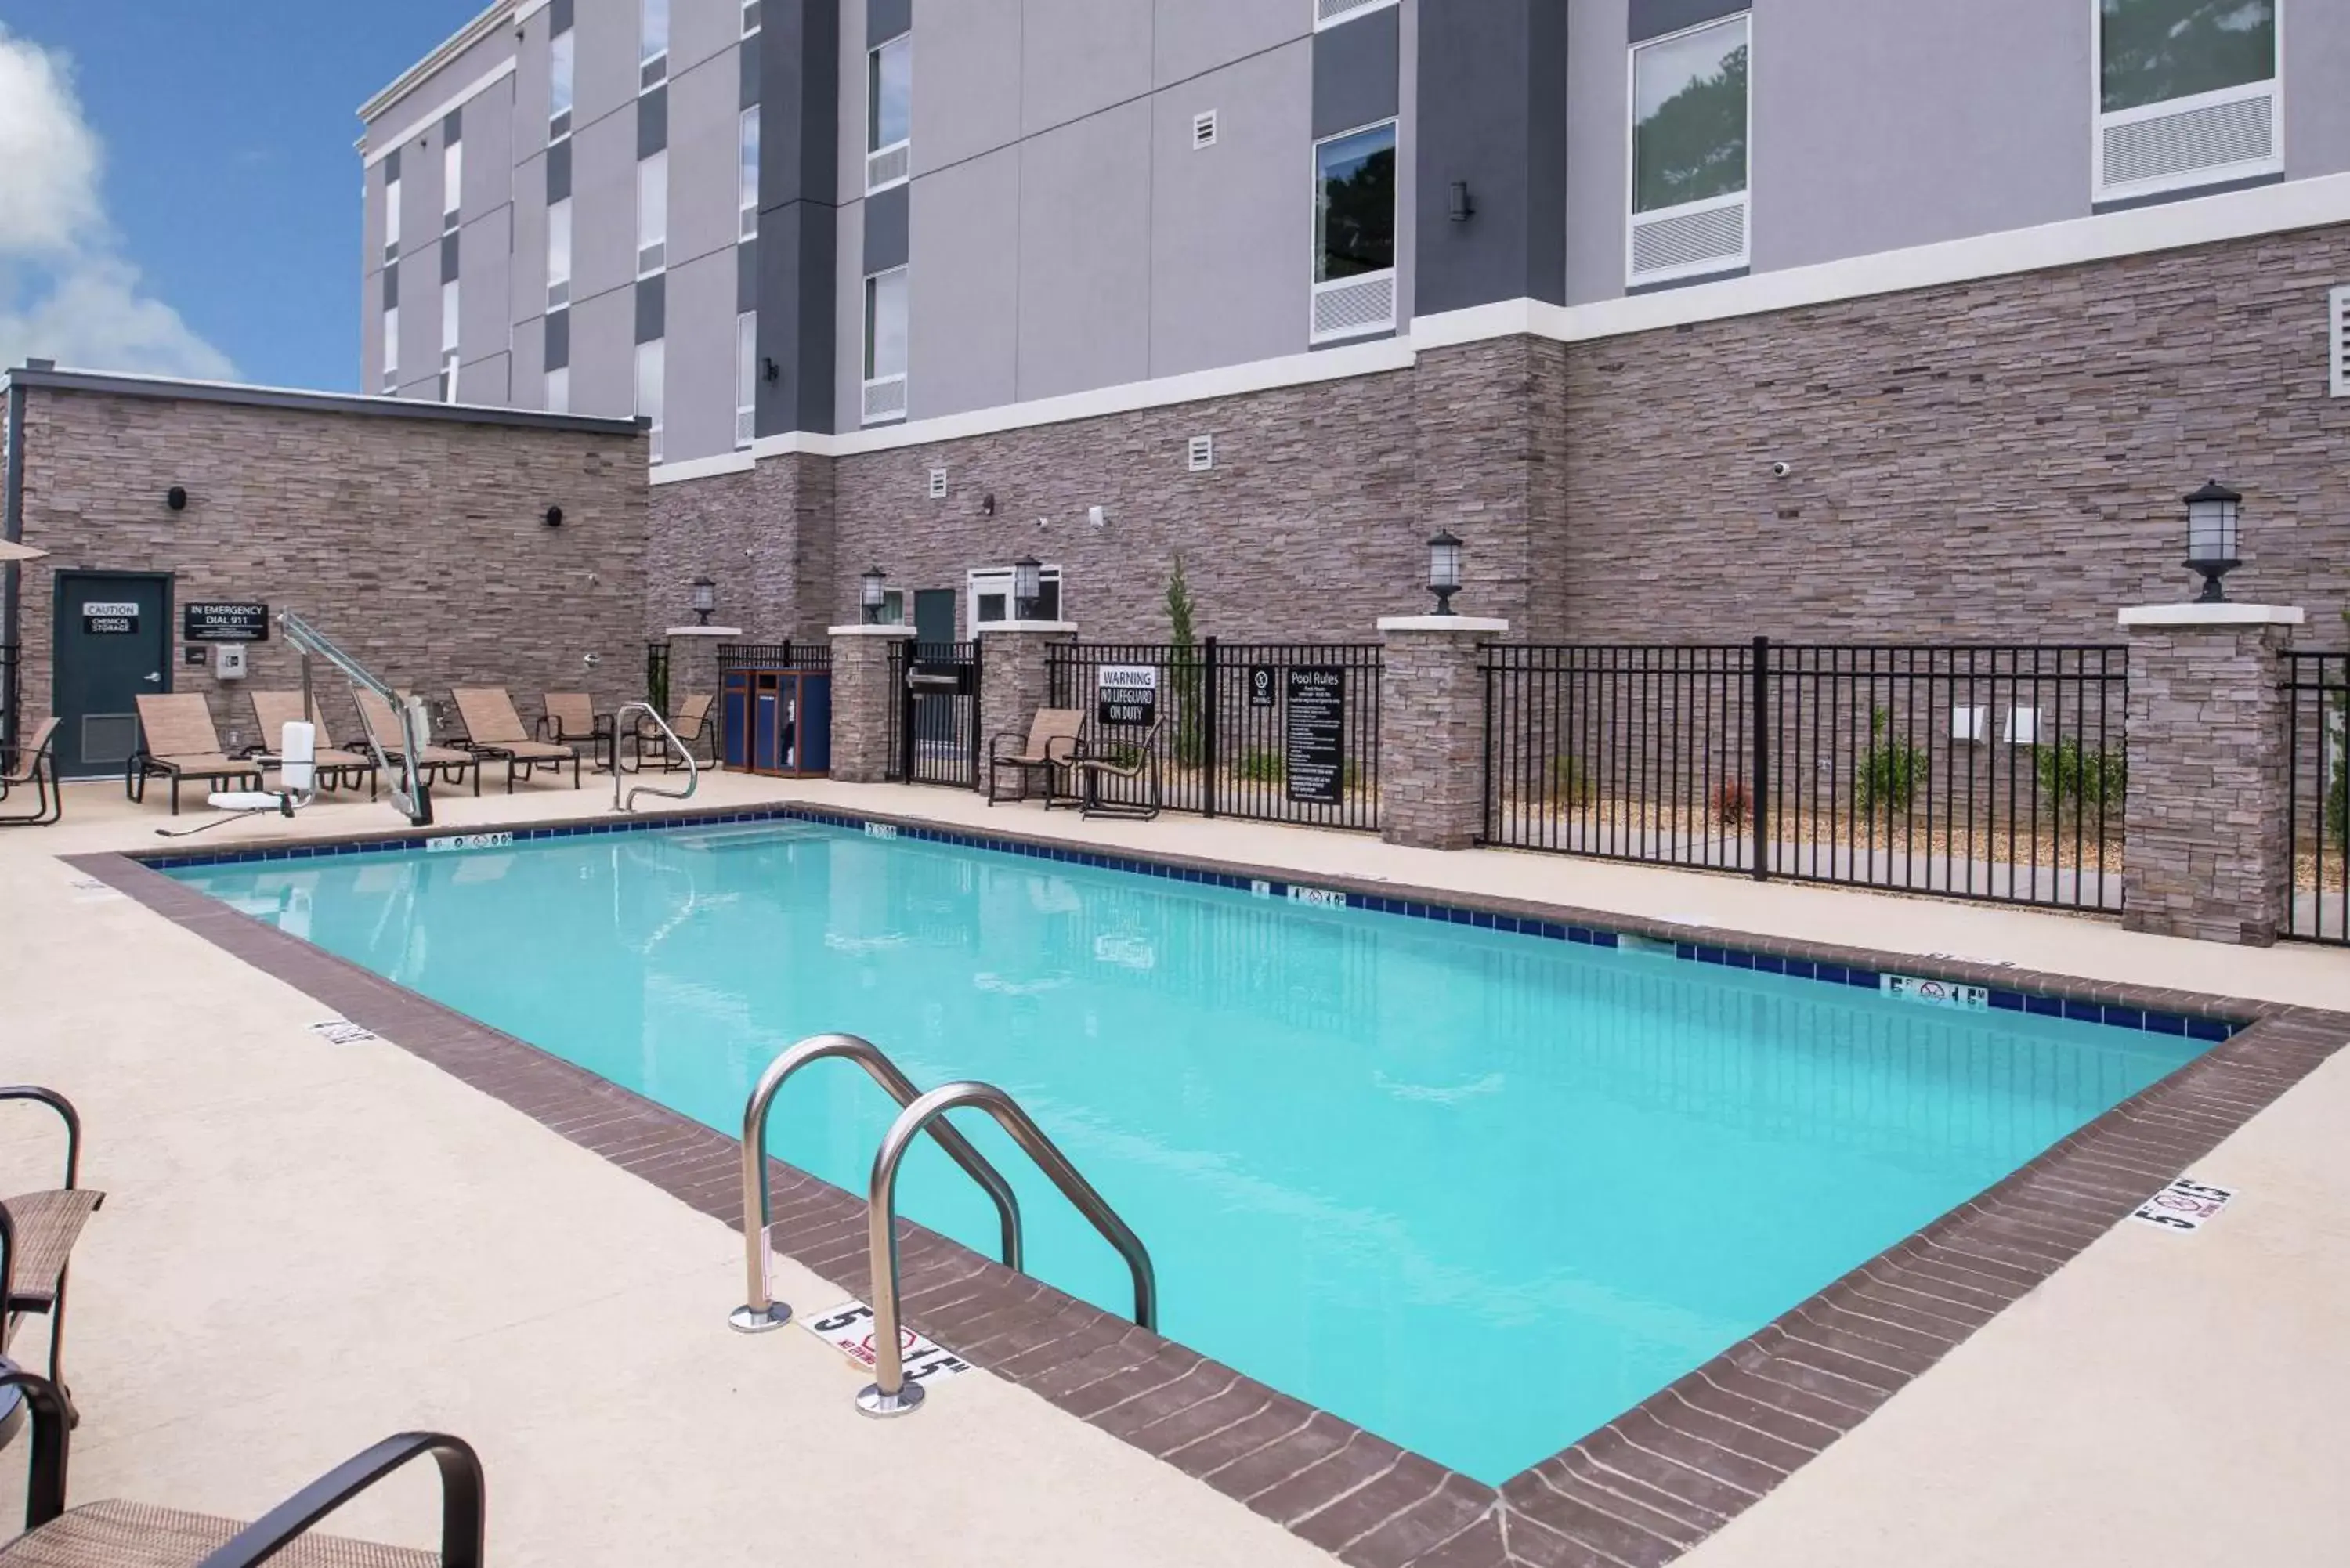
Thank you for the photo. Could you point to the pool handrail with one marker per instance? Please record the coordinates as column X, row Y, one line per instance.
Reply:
column 889, row 1394
column 692, row 768
column 761, row 1312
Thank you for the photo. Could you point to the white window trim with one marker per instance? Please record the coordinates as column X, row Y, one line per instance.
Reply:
column 646, row 61
column 903, row 144
column 390, row 220
column 1321, row 23
column 750, row 27
column 2100, row 193
column 660, row 391
column 653, row 255
column 865, row 347
column 747, row 218
column 746, row 378
column 548, row 395
column 558, row 285
column 558, row 121
column 999, row 579
column 448, row 375
column 391, row 348
column 453, row 185
column 1712, row 266
column 1313, row 251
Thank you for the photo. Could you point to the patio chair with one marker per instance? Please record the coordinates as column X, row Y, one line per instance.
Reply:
column 1050, row 747
column 138, row 1535
column 1132, row 757
column 571, row 719
column 177, row 742
column 495, row 731
column 38, row 1232
column 34, row 765
column 336, row 766
column 435, row 764
column 694, row 726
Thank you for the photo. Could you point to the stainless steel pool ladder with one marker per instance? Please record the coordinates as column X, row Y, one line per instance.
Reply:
column 889, row 1394
column 761, row 1311
column 692, row 769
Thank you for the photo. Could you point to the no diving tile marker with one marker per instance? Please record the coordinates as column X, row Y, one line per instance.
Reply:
column 2184, row 1205
column 848, row 1328
column 341, row 1032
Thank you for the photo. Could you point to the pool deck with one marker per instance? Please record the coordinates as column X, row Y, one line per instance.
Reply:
column 309, row 1246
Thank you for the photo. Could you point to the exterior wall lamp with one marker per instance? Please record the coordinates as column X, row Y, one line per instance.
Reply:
column 2213, row 537
column 1028, row 587
column 705, row 599
column 872, row 595
column 1444, row 570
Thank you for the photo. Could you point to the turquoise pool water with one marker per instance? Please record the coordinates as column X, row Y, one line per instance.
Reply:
column 1478, row 1192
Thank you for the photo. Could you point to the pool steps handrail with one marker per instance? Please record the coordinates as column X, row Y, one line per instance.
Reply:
column 761, row 1312
column 890, row 1394
column 692, row 769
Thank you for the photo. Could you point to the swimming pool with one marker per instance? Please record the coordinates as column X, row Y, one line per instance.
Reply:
column 1385, row 1165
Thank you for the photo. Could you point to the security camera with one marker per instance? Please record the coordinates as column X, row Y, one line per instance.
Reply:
column 1780, row 470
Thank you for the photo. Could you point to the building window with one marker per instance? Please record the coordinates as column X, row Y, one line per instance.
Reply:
column 747, row 377
column 452, row 182
column 559, row 390
column 1354, row 233
column 391, row 215
column 450, row 322
column 750, row 17
column 652, row 215
column 1330, row 13
column 558, row 254
column 885, row 346
column 391, row 348
column 748, row 193
column 559, row 63
column 1690, row 126
column 889, row 113
column 991, row 595
column 650, row 368
column 653, row 43
column 2189, row 93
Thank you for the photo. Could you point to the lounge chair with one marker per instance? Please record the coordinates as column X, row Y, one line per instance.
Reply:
column 571, row 719
column 336, row 766
column 694, row 727
column 136, row 1535
column 1132, row 757
column 495, row 731
column 177, row 742
column 434, row 763
column 1051, row 746
column 38, row 1232
column 34, row 765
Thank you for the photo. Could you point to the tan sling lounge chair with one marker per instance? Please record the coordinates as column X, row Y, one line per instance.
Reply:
column 177, row 742
column 435, row 764
column 336, row 766
column 1130, row 758
column 571, row 719
column 136, row 1535
column 34, row 765
column 1052, row 746
column 696, row 727
column 38, row 1232
column 494, row 730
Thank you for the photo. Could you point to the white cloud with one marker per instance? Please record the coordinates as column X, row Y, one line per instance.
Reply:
column 67, row 292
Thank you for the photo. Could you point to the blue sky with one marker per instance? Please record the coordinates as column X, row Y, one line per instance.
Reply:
column 178, row 190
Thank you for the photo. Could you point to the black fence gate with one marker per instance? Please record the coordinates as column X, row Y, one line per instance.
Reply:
column 1270, row 731
column 1970, row 771
column 2317, row 773
column 934, row 721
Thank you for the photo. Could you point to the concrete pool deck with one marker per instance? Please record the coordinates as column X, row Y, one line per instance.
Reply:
column 287, row 1271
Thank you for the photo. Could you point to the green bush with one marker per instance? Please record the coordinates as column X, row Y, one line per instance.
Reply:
column 2087, row 780
column 1571, row 782
column 1889, row 771
column 1260, row 767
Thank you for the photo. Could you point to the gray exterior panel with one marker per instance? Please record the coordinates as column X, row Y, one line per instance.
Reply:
column 603, row 354
column 1655, row 18
column 1489, row 115
column 698, row 414
column 1356, row 71
column 1190, row 37
column 555, row 339
column 1077, row 57
column 885, row 231
column 558, row 171
column 885, row 19
column 797, row 266
column 2316, row 106
column 420, row 110
column 652, row 309
column 704, row 183
column 603, row 206
column 652, row 122
column 967, row 85
column 962, row 349
column 800, row 100
column 1084, row 227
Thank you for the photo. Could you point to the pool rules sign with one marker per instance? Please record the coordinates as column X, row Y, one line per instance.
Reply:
column 1126, row 694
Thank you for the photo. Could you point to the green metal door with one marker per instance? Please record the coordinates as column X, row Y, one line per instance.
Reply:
column 113, row 645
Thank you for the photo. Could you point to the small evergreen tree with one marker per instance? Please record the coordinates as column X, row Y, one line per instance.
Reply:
column 1192, row 717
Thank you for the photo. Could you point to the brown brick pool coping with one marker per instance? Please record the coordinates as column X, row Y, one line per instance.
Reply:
column 1637, row 1493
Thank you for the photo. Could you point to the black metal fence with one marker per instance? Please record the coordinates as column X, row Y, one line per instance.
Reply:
column 2317, row 752
column 1971, row 772
column 934, row 720
column 1270, row 731
column 775, row 656
column 9, row 695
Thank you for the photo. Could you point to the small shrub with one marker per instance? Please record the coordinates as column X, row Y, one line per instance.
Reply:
column 1257, row 766
column 1889, row 770
column 1732, row 804
column 2086, row 780
column 1571, row 782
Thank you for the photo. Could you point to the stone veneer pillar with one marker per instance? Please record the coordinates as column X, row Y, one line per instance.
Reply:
column 862, row 693
column 1432, row 730
column 2209, row 853
column 1013, row 680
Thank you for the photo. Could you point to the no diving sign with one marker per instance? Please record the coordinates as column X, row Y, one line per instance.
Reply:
column 848, row 1328
column 2184, row 1205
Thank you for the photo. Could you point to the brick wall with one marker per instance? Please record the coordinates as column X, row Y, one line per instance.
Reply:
column 418, row 545
column 763, row 537
column 1999, row 459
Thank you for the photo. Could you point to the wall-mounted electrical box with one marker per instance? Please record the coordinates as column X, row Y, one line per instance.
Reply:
column 228, row 661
